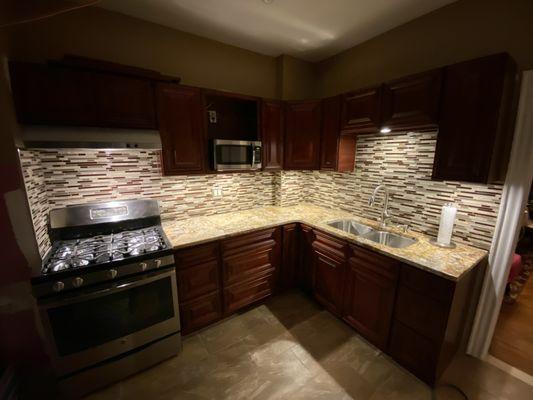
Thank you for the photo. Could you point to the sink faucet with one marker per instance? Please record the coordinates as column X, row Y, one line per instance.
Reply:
column 385, row 212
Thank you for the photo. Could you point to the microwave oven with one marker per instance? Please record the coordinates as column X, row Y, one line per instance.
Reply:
column 232, row 155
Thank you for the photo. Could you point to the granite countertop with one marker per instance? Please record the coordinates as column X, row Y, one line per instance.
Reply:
column 449, row 263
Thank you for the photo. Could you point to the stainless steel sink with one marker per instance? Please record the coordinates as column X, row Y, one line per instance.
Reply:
column 351, row 226
column 389, row 239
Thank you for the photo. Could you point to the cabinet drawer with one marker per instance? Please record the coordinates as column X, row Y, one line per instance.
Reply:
column 251, row 241
column 197, row 280
column 242, row 294
column 248, row 265
column 413, row 351
column 329, row 245
column 427, row 283
column 421, row 313
column 200, row 312
column 196, row 255
column 375, row 263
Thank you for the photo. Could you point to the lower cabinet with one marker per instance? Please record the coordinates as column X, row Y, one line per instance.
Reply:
column 369, row 294
column 415, row 316
column 329, row 261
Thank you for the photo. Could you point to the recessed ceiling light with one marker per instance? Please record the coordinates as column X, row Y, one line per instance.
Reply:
column 385, row 130
column 268, row 1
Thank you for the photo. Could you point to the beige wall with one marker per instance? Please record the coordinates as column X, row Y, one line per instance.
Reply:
column 297, row 79
column 102, row 34
column 460, row 31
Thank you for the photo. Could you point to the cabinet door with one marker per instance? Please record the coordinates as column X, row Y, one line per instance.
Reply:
column 369, row 293
column 361, row 111
column 290, row 256
column 475, row 120
column 272, row 132
column 412, row 103
column 330, row 133
column 180, row 124
column 328, row 281
column 302, row 134
column 53, row 95
column 306, row 261
column 125, row 102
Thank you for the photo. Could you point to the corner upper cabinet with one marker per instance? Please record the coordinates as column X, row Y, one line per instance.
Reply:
column 476, row 120
column 361, row 111
column 337, row 151
column 180, row 115
column 412, row 103
column 272, row 132
column 302, row 134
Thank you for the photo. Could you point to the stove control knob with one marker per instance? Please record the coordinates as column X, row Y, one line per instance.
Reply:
column 157, row 263
column 77, row 282
column 143, row 266
column 58, row 286
column 112, row 273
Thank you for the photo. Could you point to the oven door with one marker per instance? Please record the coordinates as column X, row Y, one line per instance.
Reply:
column 230, row 155
column 88, row 327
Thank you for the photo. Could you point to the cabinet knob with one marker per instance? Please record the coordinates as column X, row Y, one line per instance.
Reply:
column 58, row 286
column 77, row 282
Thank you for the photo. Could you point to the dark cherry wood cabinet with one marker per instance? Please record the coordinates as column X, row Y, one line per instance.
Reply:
column 429, row 321
column 182, row 131
column 306, row 259
column 476, row 121
column 302, row 134
column 250, row 267
column 412, row 103
column 361, row 111
column 369, row 294
column 125, row 101
column 337, row 151
column 328, row 271
column 288, row 276
column 61, row 95
column 272, row 134
column 199, row 286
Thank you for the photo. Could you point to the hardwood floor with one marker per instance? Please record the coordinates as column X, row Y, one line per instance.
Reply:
column 513, row 337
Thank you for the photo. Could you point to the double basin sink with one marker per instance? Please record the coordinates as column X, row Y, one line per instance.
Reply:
column 375, row 235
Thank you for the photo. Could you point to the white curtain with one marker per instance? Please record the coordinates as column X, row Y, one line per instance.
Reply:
column 514, row 197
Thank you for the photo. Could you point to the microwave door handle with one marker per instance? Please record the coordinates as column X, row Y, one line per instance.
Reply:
column 253, row 155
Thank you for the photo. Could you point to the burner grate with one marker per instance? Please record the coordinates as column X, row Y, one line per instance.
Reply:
column 100, row 249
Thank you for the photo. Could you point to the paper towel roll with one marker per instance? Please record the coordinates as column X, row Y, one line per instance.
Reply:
column 447, row 219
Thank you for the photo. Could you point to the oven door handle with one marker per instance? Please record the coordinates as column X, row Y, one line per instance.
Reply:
column 253, row 155
column 117, row 287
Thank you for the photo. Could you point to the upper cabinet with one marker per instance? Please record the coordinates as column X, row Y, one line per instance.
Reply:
column 302, row 134
column 180, row 113
column 337, row 151
column 65, row 95
column 361, row 111
column 272, row 132
column 476, row 120
column 412, row 103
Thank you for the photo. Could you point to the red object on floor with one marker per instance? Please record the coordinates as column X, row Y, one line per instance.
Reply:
column 516, row 267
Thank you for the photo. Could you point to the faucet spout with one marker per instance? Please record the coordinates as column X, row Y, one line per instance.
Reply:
column 385, row 211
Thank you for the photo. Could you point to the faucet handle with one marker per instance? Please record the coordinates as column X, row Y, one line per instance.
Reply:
column 403, row 227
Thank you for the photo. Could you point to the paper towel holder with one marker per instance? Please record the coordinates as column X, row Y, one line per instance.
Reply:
column 434, row 242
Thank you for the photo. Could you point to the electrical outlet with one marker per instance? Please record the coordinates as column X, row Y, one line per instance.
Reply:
column 212, row 116
column 217, row 192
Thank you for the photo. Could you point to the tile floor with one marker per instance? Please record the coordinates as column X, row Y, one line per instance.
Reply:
column 289, row 348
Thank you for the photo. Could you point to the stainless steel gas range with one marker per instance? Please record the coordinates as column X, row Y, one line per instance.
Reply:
column 107, row 293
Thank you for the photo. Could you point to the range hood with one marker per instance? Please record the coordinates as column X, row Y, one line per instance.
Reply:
column 36, row 136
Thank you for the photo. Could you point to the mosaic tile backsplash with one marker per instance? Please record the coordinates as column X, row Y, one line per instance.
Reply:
column 56, row 178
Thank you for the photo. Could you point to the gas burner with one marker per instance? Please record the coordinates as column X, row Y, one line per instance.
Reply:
column 71, row 254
